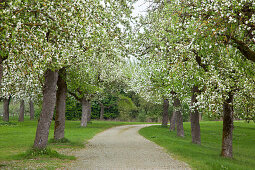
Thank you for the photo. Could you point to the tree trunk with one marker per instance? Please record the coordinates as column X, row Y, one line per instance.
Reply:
column 194, row 118
column 1, row 69
column 6, row 109
column 179, row 123
column 59, row 128
column 172, row 121
column 21, row 111
column 32, row 110
column 85, row 111
column 48, row 105
column 102, row 112
column 89, row 114
column 165, row 115
column 226, row 150
column 179, row 120
column 200, row 117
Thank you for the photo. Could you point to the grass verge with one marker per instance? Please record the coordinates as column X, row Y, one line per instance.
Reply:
column 207, row 155
column 45, row 153
column 16, row 140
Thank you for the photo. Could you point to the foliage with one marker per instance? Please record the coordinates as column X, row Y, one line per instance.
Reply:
column 78, row 35
column 206, row 156
column 185, row 112
column 148, row 111
column 180, row 45
column 125, row 107
column 111, row 109
column 73, row 109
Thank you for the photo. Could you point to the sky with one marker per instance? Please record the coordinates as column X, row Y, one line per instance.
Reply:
column 140, row 7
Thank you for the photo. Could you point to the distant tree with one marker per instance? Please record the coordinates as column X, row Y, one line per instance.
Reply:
column 31, row 110
column 21, row 111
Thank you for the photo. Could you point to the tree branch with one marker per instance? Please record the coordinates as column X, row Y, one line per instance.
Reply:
column 100, row 103
column 199, row 61
column 244, row 49
column 2, row 58
column 74, row 95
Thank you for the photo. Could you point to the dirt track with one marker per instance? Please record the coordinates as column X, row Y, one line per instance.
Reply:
column 123, row 148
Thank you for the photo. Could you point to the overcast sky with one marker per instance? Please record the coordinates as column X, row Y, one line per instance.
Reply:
column 140, row 7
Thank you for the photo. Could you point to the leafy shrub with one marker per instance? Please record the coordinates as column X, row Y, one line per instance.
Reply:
column 73, row 109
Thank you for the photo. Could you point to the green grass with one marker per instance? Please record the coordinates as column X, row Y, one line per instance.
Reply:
column 207, row 156
column 38, row 153
column 16, row 141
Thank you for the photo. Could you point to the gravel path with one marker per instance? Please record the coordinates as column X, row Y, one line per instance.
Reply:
column 123, row 148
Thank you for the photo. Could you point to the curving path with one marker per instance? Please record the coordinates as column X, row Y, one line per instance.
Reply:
column 123, row 148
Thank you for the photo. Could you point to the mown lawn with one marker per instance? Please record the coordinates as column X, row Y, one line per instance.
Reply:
column 207, row 156
column 16, row 138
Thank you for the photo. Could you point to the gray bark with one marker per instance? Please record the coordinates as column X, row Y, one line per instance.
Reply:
column 227, row 135
column 165, row 115
column 32, row 110
column 89, row 114
column 194, row 118
column 172, row 121
column 1, row 69
column 21, row 111
column 59, row 128
column 48, row 105
column 6, row 113
column 200, row 117
column 85, row 111
column 179, row 124
column 179, row 120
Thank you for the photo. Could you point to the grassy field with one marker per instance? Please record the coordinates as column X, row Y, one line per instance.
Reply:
column 207, row 156
column 16, row 138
